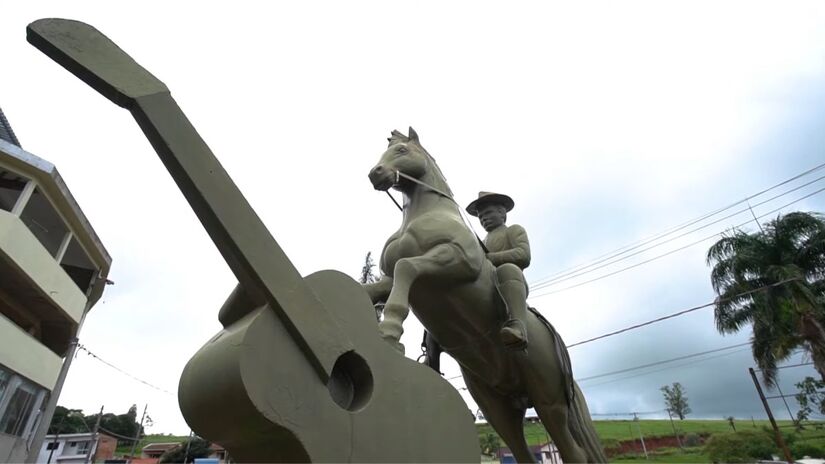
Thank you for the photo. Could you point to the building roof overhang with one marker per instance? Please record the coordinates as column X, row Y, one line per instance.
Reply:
column 47, row 177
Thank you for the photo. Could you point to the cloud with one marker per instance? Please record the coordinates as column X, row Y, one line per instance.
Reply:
column 606, row 123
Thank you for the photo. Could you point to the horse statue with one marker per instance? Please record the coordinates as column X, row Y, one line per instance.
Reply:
column 436, row 265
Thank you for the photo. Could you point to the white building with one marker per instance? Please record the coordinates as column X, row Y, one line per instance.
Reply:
column 73, row 448
column 52, row 270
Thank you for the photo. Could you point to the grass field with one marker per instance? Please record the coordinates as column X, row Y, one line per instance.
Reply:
column 612, row 432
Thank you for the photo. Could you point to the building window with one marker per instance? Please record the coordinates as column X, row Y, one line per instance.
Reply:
column 11, row 186
column 83, row 447
column 78, row 266
column 18, row 411
column 51, row 445
column 5, row 377
column 43, row 221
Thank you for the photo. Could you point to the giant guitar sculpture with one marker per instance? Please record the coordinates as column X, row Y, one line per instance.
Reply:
column 299, row 372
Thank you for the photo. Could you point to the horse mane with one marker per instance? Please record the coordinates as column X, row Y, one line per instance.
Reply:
column 397, row 137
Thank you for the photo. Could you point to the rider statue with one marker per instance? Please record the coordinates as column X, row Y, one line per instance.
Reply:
column 509, row 250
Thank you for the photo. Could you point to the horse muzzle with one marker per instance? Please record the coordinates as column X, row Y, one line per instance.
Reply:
column 382, row 178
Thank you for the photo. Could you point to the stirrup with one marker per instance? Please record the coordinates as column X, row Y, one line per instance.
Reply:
column 520, row 327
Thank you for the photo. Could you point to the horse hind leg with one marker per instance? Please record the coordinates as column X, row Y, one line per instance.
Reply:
column 504, row 415
column 571, row 429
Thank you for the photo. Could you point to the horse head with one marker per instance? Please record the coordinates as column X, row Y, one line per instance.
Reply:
column 406, row 156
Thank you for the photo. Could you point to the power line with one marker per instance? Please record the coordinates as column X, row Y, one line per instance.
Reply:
column 675, row 366
column 792, row 365
column 109, row 432
column 679, row 313
column 664, row 361
column 655, row 237
column 121, row 370
column 660, row 319
column 674, row 250
column 602, row 264
column 646, row 413
column 657, row 363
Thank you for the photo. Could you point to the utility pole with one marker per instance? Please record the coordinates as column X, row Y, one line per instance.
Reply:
column 188, row 443
column 779, row 438
column 137, row 433
column 93, row 444
column 678, row 440
column 57, row 434
column 639, row 425
column 92, row 296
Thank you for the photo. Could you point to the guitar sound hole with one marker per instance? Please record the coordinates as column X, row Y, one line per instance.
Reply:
column 350, row 384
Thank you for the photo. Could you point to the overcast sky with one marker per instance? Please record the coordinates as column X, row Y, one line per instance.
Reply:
column 606, row 122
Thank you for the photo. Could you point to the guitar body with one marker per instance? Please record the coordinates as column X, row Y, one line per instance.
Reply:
column 249, row 389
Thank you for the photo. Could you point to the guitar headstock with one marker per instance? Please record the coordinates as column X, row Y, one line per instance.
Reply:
column 93, row 58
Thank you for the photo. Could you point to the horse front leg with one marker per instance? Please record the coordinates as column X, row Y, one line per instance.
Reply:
column 379, row 291
column 444, row 260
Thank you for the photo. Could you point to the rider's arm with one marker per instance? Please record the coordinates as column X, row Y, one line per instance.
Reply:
column 519, row 254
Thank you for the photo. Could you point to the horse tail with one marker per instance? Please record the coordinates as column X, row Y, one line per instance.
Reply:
column 581, row 427
column 578, row 416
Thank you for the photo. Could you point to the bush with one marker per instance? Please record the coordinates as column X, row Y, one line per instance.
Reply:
column 744, row 446
column 801, row 449
column 692, row 440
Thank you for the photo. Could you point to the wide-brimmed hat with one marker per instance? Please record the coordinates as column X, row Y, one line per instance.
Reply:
column 490, row 197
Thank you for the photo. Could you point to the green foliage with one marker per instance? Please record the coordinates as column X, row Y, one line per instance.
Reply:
column 198, row 448
column 367, row 276
column 67, row 420
column 692, row 440
column 73, row 421
column 675, row 399
column 773, row 280
column 744, row 446
column 810, row 397
column 801, row 449
column 489, row 444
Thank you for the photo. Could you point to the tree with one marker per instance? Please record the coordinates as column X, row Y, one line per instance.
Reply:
column 773, row 280
column 67, row 420
column 197, row 448
column 730, row 421
column 368, row 277
column 675, row 400
column 811, row 398
column 489, row 443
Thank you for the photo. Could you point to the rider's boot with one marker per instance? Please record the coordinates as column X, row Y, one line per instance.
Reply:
column 513, row 332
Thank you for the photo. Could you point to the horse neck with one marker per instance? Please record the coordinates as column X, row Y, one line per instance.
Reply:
column 420, row 199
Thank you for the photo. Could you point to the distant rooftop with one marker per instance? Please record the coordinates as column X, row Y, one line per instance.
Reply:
column 6, row 132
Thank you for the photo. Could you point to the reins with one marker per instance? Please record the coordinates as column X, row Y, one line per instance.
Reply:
column 399, row 175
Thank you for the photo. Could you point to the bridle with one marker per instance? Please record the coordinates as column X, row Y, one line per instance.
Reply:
column 399, row 175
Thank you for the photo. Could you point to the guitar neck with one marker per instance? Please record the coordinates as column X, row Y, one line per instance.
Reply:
column 254, row 256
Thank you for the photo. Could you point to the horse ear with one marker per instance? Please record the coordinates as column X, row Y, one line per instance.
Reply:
column 413, row 135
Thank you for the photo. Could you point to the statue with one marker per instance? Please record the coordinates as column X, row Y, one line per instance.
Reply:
column 506, row 247
column 509, row 250
column 435, row 265
column 298, row 373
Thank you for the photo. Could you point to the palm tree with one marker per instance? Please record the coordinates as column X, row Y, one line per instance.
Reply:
column 774, row 279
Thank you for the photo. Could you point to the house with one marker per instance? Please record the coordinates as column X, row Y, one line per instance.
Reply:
column 155, row 450
column 546, row 453
column 53, row 269
column 74, row 447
